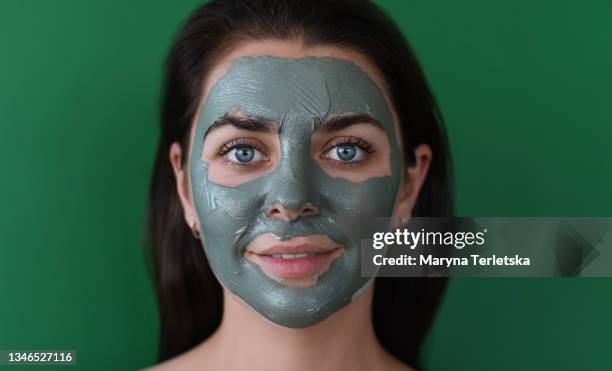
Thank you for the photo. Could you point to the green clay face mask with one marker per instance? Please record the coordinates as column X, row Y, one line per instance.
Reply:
column 293, row 94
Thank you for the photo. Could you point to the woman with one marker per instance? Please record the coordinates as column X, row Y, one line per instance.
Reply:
column 285, row 125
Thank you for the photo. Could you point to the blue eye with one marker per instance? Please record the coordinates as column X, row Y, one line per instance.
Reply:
column 244, row 154
column 346, row 153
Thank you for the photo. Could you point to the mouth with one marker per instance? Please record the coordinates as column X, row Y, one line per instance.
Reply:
column 297, row 262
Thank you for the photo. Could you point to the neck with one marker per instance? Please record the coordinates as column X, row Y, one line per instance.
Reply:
column 345, row 340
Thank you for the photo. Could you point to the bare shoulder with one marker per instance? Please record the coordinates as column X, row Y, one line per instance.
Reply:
column 190, row 360
column 180, row 362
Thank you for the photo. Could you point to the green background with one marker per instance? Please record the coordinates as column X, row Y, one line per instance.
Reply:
column 525, row 88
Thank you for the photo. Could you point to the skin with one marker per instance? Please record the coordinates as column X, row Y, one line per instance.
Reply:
column 344, row 340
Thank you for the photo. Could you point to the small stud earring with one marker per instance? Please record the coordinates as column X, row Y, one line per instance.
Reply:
column 195, row 231
column 404, row 221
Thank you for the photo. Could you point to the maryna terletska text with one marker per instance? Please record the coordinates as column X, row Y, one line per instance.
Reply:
column 430, row 260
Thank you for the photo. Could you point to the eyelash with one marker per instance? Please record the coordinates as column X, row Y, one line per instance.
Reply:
column 343, row 141
column 240, row 142
column 353, row 141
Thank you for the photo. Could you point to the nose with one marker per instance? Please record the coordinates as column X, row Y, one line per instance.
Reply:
column 288, row 213
column 290, row 194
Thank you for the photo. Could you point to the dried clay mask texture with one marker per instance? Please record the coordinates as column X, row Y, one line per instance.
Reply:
column 293, row 93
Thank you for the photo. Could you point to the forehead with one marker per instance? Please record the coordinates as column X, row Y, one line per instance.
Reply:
column 308, row 88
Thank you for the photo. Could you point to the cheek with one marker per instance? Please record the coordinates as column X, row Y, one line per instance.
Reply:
column 233, row 175
column 222, row 210
column 371, row 198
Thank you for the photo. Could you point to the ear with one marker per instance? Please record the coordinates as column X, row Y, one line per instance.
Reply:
column 183, row 187
column 413, row 179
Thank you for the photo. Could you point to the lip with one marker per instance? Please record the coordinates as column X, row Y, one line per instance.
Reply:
column 298, row 258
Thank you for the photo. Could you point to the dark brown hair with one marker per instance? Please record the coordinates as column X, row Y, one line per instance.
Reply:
column 189, row 296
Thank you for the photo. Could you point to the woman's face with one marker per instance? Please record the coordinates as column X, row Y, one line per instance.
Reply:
column 292, row 151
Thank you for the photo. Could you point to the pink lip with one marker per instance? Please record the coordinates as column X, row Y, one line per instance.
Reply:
column 320, row 251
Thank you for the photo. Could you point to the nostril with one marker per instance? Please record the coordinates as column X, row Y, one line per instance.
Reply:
column 309, row 210
column 274, row 212
column 278, row 211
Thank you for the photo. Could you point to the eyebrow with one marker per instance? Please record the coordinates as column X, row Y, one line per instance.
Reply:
column 251, row 123
column 339, row 122
column 260, row 125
